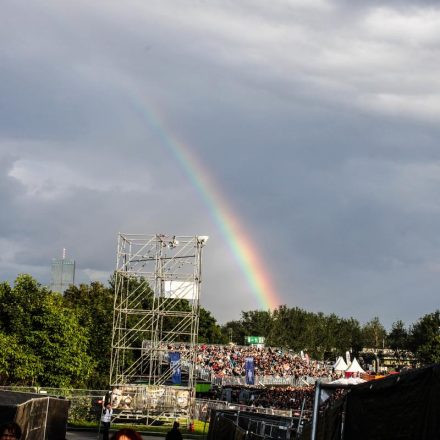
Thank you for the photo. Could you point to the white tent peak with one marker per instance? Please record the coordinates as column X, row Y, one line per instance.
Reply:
column 354, row 367
column 340, row 364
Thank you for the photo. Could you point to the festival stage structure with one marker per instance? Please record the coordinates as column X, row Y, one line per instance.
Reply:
column 157, row 293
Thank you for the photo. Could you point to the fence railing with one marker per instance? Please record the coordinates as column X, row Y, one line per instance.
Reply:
column 269, row 380
column 84, row 403
column 204, row 407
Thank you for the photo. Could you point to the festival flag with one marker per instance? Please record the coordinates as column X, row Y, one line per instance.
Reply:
column 176, row 378
column 250, row 372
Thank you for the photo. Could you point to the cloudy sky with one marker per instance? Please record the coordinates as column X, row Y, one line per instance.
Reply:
column 318, row 121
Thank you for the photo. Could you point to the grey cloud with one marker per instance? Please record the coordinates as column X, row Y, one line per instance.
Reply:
column 312, row 117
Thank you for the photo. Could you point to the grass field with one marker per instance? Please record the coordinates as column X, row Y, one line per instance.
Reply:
column 200, row 427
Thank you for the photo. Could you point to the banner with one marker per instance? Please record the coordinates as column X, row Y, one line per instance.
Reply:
column 254, row 340
column 181, row 290
column 250, row 373
column 176, row 378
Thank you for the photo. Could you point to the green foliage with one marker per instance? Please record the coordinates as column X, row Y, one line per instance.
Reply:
column 257, row 322
column 93, row 306
column 47, row 339
column 398, row 338
column 424, row 339
column 18, row 365
column 61, row 343
column 209, row 330
column 47, row 344
column 81, row 409
column 373, row 334
column 252, row 323
column 294, row 328
column 234, row 331
column 19, row 304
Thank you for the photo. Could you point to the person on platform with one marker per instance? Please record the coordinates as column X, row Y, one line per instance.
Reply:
column 10, row 431
column 126, row 434
column 174, row 433
column 106, row 419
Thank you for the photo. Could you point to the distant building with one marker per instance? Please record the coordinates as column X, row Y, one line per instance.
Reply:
column 63, row 273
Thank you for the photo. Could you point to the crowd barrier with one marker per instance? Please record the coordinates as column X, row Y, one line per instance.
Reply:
column 84, row 403
column 227, row 424
column 269, row 381
column 204, row 408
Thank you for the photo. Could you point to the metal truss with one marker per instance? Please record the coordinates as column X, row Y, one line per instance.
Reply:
column 157, row 292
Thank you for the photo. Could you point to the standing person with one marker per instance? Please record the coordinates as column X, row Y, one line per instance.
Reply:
column 106, row 419
column 175, row 433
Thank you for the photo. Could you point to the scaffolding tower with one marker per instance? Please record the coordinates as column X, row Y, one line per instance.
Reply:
column 156, row 308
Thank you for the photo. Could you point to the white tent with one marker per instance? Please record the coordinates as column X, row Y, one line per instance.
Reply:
column 349, row 381
column 340, row 364
column 354, row 367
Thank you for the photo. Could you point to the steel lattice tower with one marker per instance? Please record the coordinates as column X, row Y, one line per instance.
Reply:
column 157, row 292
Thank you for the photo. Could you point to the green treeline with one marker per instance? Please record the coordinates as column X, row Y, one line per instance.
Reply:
column 55, row 340
column 327, row 336
column 49, row 339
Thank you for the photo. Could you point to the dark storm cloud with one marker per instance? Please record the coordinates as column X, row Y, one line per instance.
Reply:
column 317, row 120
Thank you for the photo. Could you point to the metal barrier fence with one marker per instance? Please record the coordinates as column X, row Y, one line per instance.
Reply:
column 250, row 426
column 84, row 403
column 203, row 409
column 269, row 380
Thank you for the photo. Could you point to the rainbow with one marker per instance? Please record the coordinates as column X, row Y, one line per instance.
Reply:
column 239, row 242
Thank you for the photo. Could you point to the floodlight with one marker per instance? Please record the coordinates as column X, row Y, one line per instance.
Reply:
column 203, row 238
column 173, row 243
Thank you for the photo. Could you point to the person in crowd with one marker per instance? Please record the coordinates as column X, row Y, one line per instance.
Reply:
column 174, row 433
column 286, row 398
column 106, row 419
column 126, row 434
column 221, row 360
column 10, row 431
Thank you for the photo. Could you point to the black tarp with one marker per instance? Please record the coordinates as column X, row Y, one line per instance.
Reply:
column 40, row 417
column 330, row 423
column 403, row 407
column 399, row 407
column 10, row 401
column 57, row 418
column 220, row 428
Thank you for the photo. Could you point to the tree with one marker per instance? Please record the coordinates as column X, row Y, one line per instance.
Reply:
column 257, row 322
column 209, row 330
column 398, row 337
column 60, row 343
column 18, row 304
column 18, row 365
column 43, row 332
column 93, row 306
column 424, row 339
column 373, row 334
column 290, row 328
column 234, row 331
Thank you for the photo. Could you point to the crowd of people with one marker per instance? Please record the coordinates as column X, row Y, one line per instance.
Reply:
column 285, row 398
column 229, row 360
